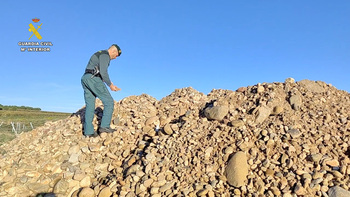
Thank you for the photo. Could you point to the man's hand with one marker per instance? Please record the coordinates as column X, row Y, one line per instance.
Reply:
column 113, row 87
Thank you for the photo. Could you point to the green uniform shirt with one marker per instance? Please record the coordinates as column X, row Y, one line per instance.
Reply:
column 102, row 60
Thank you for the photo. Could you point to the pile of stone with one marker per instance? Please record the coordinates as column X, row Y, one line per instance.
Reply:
column 270, row 139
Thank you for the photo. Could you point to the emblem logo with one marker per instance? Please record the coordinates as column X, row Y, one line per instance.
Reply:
column 35, row 30
column 35, row 46
column 35, row 20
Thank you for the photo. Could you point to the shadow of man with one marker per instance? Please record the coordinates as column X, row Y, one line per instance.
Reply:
column 46, row 195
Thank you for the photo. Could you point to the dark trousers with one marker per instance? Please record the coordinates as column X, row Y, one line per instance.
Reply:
column 95, row 87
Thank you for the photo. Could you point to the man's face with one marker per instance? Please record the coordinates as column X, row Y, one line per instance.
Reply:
column 114, row 54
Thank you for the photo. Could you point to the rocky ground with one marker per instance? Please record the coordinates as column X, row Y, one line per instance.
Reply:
column 270, row 139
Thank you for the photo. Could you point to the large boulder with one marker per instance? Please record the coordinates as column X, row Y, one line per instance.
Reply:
column 237, row 169
column 337, row 191
column 216, row 112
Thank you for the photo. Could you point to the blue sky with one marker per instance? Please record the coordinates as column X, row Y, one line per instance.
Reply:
column 224, row 44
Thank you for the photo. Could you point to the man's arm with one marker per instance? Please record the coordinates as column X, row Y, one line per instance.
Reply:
column 104, row 61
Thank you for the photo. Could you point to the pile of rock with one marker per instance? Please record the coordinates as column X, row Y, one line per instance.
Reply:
column 270, row 139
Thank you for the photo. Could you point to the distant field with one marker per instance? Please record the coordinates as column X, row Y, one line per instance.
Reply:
column 21, row 120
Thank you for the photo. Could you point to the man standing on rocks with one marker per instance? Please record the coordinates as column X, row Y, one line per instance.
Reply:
column 96, row 73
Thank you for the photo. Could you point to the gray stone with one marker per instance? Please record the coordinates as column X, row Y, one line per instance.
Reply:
column 23, row 179
column 216, row 112
column 312, row 86
column 237, row 123
column 316, row 157
column 294, row 133
column 167, row 186
column 61, row 187
column 277, row 110
column 74, row 158
column 295, row 101
column 337, row 191
column 262, row 114
column 289, row 80
column 38, row 187
column 73, row 149
column 133, row 169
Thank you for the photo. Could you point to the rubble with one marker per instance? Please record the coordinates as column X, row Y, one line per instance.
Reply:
column 270, row 139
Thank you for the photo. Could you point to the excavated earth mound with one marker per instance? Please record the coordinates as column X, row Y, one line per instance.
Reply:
column 270, row 139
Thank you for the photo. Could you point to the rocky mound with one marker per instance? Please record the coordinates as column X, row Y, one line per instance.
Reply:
column 270, row 139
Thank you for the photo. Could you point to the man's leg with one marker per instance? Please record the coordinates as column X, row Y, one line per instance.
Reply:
column 108, row 104
column 102, row 92
column 89, row 107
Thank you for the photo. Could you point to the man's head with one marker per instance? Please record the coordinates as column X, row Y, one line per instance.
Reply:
column 114, row 51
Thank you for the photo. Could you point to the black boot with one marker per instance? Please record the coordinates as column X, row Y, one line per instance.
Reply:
column 92, row 135
column 106, row 130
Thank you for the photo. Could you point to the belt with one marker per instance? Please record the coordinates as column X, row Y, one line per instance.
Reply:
column 91, row 71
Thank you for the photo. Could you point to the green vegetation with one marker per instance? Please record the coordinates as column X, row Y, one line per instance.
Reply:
column 23, row 120
column 14, row 108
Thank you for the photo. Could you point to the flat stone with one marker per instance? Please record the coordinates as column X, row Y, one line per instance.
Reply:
column 147, row 183
column 150, row 157
column 337, row 174
column 237, row 123
column 202, row 192
column 61, row 187
column 74, row 158
column 94, row 147
column 333, row 163
column 73, row 149
column 38, row 187
column 167, row 186
column 262, row 114
column 316, row 157
column 295, row 133
column 312, row 86
column 277, row 110
column 241, row 89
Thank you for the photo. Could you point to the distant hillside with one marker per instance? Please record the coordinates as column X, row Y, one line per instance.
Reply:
column 14, row 108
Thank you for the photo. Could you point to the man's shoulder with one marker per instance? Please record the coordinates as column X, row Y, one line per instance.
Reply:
column 101, row 52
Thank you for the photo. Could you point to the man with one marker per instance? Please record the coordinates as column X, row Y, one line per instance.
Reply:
column 92, row 81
